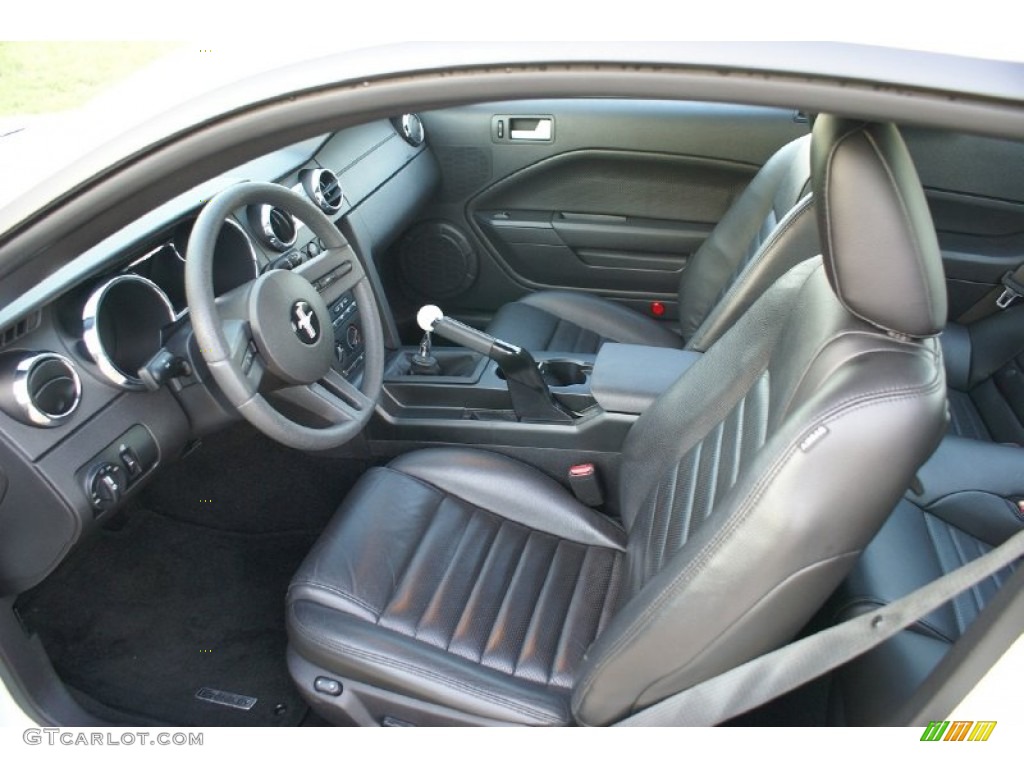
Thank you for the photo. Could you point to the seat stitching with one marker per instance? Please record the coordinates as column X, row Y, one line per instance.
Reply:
column 929, row 525
column 568, row 610
column 691, row 494
column 614, row 588
column 698, row 561
column 859, row 353
column 962, row 555
column 505, row 599
column 398, row 583
column 533, row 612
column 479, row 571
column 505, row 589
column 554, row 329
column 669, row 506
column 386, row 661
column 444, row 576
column 788, row 222
column 341, row 592
column 716, row 464
column 650, row 528
column 737, row 451
column 976, row 590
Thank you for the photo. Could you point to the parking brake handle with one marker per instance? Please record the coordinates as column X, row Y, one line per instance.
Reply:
column 531, row 397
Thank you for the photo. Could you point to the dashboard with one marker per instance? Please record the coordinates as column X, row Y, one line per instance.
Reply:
column 101, row 378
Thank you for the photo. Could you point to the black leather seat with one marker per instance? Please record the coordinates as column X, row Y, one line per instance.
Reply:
column 966, row 507
column 457, row 586
column 768, row 229
column 985, row 371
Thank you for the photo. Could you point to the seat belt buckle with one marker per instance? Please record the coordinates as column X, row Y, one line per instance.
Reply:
column 586, row 485
column 1012, row 290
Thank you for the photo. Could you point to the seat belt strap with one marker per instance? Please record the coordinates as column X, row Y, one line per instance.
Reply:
column 767, row 677
column 1010, row 288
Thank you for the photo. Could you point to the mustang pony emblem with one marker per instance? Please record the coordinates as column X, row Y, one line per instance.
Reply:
column 305, row 322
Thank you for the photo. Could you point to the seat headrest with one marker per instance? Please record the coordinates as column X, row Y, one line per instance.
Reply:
column 880, row 250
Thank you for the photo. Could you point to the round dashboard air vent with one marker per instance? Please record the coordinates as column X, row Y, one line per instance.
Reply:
column 39, row 388
column 323, row 188
column 274, row 226
column 410, row 128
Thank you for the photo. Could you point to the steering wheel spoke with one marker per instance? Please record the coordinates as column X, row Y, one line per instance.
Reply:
column 333, row 399
column 234, row 305
column 243, row 353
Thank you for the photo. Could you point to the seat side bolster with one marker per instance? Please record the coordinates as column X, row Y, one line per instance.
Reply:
column 525, row 496
column 794, row 240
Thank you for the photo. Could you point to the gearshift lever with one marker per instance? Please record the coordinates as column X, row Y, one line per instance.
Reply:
column 423, row 362
column 531, row 398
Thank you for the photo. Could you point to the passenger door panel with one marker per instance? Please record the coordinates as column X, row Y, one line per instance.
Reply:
column 975, row 190
column 611, row 197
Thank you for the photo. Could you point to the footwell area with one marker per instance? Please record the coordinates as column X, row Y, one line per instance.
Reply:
column 189, row 592
column 162, row 608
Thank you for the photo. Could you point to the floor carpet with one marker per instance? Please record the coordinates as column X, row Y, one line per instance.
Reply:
column 188, row 591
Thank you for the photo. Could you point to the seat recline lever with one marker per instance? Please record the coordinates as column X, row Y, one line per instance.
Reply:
column 531, row 396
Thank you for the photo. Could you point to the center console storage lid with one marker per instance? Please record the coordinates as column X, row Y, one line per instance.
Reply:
column 627, row 378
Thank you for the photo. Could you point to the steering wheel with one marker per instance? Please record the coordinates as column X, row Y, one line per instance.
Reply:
column 274, row 334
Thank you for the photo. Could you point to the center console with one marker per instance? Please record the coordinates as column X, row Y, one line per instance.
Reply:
column 471, row 387
column 554, row 410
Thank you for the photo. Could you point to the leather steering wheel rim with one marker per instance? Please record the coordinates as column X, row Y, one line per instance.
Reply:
column 248, row 330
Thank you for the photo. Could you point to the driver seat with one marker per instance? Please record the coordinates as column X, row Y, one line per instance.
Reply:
column 458, row 586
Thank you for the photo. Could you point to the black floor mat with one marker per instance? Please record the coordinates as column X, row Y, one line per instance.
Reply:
column 161, row 608
column 241, row 480
column 189, row 593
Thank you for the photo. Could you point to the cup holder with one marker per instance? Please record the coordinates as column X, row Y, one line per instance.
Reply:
column 561, row 373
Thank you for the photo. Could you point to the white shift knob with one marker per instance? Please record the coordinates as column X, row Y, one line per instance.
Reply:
column 427, row 316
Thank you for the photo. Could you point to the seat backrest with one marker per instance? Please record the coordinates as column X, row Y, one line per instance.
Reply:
column 750, row 487
column 985, row 369
column 767, row 230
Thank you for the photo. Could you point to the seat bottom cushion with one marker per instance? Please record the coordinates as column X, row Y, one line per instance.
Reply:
column 436, row 581
column 560, row 321
column 913, row 548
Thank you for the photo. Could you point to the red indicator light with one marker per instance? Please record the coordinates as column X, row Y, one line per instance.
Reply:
column 657, row 308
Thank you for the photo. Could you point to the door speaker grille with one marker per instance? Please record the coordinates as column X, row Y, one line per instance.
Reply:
column 436, row 261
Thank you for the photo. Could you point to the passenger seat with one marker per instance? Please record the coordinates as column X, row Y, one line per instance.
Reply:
column 770, row 228
column 969, row 504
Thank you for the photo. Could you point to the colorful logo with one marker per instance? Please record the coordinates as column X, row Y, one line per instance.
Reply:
column 958, row 730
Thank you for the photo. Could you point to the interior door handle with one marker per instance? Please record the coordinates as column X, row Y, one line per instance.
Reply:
column 530, row 128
